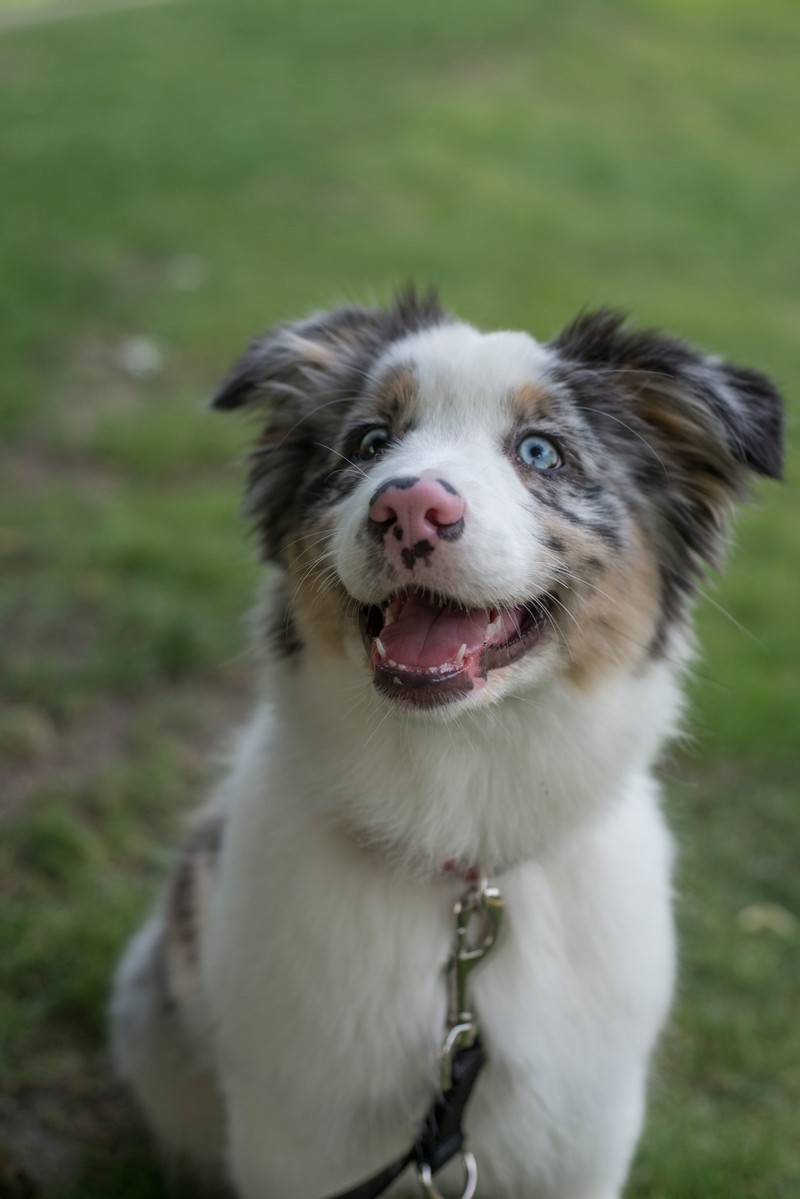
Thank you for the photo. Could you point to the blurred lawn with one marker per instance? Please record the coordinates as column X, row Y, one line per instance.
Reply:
column 173, row 178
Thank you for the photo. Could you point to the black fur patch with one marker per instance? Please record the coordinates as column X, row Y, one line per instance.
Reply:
column 282, row 634
column 204, row 842
column 591, row 522
column 182, row 907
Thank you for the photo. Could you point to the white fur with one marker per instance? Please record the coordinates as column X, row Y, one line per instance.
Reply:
column 322, row 979
column 329, row 1002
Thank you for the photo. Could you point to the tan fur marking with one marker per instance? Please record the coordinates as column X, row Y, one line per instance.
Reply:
column 320, row 605
column 530, row 401
column 398, row 384
column 692, row 445
column 614, row 626
column 311, row 351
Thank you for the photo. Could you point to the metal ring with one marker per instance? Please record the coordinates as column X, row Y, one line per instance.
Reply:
column 425, row 1176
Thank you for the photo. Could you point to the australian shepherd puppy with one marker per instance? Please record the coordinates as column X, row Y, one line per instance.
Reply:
column 485, row 553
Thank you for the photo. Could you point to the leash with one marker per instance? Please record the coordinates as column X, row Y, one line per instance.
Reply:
column 477, row 917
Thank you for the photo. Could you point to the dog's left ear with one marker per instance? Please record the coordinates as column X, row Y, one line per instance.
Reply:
column 696, row 403
column 687, row 429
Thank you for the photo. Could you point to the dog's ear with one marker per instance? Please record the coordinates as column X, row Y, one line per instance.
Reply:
column 293, row 363
column 296, row 361
column 688, row 429
column 696, row 402
column 301, row 378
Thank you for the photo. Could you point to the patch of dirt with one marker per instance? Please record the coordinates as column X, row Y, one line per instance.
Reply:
column 70, row 756
column 100, row 737
column 32, row 467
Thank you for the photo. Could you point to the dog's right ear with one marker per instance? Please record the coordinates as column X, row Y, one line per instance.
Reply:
column 301, row 378
column 291, row 361
column 297, row 378
column 322, row 352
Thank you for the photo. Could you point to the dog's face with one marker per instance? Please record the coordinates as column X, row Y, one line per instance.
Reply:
column 463, row 515
column 481, row 541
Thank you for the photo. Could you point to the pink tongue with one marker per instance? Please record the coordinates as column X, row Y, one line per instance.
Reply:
column 424, row 634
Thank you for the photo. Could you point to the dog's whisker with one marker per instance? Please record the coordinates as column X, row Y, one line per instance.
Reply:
column 353, row 466
column 309, row 416
column 377, row 728
column 630, row 428
column 737, row 624
column 563, row 573
column 316, row 566
column 310, row 538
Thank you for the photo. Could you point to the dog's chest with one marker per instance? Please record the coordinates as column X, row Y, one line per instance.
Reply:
column 337, row 975
column 329, row 1002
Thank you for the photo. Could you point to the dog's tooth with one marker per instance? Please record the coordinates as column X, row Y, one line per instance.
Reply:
column 388, row 618
column 459, row 658
column 380, row 647
column 493, row 627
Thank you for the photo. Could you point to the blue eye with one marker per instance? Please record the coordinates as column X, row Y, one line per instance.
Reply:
column 538, row 452
column 373, row 443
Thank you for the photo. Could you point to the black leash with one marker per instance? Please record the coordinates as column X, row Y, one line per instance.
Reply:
column 440, row 1137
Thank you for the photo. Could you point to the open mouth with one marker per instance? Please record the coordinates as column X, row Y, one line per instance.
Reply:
column 427, row 649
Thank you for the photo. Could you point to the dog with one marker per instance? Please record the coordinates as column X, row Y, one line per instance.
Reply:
column 485, row 553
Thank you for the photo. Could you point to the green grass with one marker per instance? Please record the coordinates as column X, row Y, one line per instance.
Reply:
column 189, row 174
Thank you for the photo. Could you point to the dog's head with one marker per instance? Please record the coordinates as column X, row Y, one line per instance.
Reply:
column 461, row 515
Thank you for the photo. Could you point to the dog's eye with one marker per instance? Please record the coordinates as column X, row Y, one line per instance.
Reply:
column 373, row 443
column 538, row 452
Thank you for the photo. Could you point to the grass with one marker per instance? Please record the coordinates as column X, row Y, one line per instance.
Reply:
column 175, row 178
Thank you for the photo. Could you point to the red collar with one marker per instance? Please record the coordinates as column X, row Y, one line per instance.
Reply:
column 467, row 874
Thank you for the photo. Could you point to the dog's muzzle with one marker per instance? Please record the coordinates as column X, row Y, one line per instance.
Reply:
column 427, row 649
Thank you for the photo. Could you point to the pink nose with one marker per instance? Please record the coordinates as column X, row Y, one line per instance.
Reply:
column 419, row 509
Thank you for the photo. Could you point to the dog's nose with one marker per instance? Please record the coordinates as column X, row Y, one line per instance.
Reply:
column 418, row 509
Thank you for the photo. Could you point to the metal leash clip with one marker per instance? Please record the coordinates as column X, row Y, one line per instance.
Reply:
column 477, row 916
